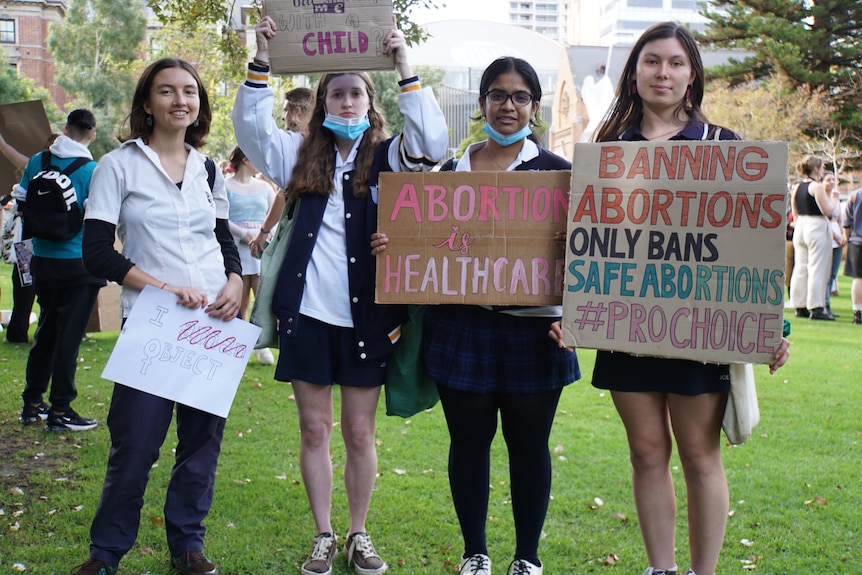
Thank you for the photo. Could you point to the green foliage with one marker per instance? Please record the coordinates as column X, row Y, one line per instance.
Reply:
column 15, row 88
column 96, row 49
column 793, row 486
column 387, row 91
column 813, row 43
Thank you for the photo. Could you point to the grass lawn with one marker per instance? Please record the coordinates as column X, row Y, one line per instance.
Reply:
column 795, row 486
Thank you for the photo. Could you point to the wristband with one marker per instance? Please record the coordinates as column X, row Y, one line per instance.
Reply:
column 163, row 285
column 263, row 231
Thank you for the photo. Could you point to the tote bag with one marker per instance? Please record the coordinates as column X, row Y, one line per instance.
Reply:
column 407, row 388
column 270, row 265
column 741, row 414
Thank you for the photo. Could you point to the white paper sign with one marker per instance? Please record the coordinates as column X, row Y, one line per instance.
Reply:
column 181, row 354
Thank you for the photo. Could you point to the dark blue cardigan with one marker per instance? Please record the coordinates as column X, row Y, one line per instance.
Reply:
column 372, row 322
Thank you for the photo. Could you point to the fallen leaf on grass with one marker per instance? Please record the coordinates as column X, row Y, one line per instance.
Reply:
column 558, row 448
column 747, row 542
column 817, row 500
column 19, row 567
column 158, row 521
column 146, row 551
column 15, row 526
column 397, row 471
column 16, row 491
column 621, row 516
column 610, row 560
column 77, row 508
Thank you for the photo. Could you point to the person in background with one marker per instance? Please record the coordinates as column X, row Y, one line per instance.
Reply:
column 812, row 241
column 298, row 104
column 330, row 329
column 66, row 291
column 658, row 98
column 168, row 205
column 250, row 199
column 838, row 240
column 853, row 263
column 788, row 237
column 488, row 361
column 23, row 296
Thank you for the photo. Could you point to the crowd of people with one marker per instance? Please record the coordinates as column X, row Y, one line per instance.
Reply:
column 160, row 195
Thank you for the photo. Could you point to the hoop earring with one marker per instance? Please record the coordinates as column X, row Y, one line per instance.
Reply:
column 149, row 121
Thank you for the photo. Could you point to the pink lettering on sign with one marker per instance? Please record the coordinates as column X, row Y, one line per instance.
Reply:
column 338, row 42
column 210, row 338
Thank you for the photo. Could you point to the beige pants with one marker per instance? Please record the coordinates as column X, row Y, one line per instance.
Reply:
column 812, row 262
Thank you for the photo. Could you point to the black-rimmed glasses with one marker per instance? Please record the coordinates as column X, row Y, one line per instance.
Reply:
column 520, row 98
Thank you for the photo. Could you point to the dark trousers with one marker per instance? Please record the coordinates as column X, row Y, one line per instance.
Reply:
column 18, row 330
column 139, row 423
column 65, row 312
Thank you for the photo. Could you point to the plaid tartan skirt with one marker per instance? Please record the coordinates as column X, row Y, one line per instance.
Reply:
column 473, row 349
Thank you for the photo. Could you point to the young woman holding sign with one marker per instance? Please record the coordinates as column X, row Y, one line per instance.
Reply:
column 497, row 360
column 170, row 211
column 658, row 99
column 330, row 330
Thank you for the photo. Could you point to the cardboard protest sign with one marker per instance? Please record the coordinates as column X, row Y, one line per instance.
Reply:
column 329, row 35
column 25, row 127
column 181, row 354
column 676, row 249
column 472, row 237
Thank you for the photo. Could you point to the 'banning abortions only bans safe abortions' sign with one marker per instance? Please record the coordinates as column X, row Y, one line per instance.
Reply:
column 676, row 249
column 329, row 35
column 472, row 237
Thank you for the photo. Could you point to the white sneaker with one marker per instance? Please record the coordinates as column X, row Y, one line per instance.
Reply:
column 264, row 356
column 654, row 571
column 523, row 567
column 475, row 565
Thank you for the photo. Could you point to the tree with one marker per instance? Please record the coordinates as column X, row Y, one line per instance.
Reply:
column 387, row 90
column 813, row 43
column 96, row 48
column 14, row 88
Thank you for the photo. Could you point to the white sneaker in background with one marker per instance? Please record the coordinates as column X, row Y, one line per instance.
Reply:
column 264, row 356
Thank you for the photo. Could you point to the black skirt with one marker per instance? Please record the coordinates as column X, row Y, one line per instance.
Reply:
column 618, row 371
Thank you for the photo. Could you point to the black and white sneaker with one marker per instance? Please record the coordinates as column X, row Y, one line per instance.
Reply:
column 34, row 413
column 69, row 421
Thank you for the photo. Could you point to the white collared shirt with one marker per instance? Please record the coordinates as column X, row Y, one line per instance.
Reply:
column 166, row 231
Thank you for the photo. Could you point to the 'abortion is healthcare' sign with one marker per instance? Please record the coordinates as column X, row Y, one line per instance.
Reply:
column 676, row 249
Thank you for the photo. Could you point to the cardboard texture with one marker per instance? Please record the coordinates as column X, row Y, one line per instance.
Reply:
column 676, row 249
column 106, row 314
column 472, row 237
column 329, row 35
column 25, row 127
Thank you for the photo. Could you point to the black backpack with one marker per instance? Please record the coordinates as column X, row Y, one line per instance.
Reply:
column 51, row 211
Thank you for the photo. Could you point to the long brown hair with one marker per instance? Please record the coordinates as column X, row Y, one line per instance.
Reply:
column 315, row 164
column 627, row 108
column 138, row 127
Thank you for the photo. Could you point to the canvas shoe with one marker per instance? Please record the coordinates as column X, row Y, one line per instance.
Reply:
column 34, row 413
column 69, row 421
column 654, row 571
column 94, row 567
column 361, row 554
column 319, row 561
column 193, row 563
column 523, row 567
column 477, row 564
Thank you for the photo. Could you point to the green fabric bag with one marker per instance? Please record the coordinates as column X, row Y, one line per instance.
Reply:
column 270, row 264
column 408, row 388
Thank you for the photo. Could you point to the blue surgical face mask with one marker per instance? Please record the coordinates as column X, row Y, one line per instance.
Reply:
column 507, row 140
column 347, row 128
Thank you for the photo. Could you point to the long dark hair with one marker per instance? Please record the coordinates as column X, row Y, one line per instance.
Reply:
column 627, row 108
column 523, row 69
column 138, row 127
column 315, row 164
